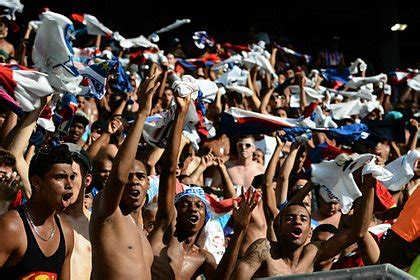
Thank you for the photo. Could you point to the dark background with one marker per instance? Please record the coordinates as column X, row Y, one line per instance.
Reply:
column 363, row 26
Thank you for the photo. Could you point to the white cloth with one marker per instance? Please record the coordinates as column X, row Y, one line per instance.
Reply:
column 241, row 89
column 311, row 95
column 140, row 41
column 338, row 184
column 11, row 7
column 414, row 83
column 212, row 239
column 356, row 65
column 345, row 109
column 236, row 76
column 209, row 90
column 267, row 145
column 94, row 27
column 174, row 25
column 377, row 171
column 53, row 54
column 186, row 86
column 403, row 170
column 357, row 82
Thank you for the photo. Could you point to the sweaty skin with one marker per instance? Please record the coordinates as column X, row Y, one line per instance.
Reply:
column 119, row 247
column 291, row 254
column 173, row 238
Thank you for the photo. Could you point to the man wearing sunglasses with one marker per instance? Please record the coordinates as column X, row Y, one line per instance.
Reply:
column 242, row 171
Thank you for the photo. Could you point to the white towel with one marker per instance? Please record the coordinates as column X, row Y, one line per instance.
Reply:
column 403, row 170
column 53, row 54
column 338, row 184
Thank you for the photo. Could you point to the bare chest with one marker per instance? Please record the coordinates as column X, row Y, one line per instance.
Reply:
column 174, row 262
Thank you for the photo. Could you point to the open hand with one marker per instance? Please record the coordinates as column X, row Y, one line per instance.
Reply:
column 242, row 213
column 9, row 185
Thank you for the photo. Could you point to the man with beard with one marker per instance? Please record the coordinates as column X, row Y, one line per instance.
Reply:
column 120, row 249
column 290, row 254
column 34, row 231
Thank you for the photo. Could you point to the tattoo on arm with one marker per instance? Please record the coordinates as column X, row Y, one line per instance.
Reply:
column 256, row 253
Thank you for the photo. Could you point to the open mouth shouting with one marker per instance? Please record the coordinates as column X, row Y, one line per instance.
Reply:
column 65, row 200
column 134, row 194
column 193, row 219
column 296, row 233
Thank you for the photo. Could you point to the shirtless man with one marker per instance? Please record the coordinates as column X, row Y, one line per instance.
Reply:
column 120, row 249
column 78, row 216
column 242, row 172
column 291, row 254
column 34, row 231
column 176, row 228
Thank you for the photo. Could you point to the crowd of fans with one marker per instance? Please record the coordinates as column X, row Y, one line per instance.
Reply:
column 121, row 160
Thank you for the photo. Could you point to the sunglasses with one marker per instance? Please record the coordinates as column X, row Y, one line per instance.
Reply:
column 246, row 145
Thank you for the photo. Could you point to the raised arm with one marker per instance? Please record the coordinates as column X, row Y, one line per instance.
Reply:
column 166, row 209
column 113, row 190
column 20, row 142
column 268, row 192
column 95, row 147
column 362, row 215
column 283, row 177
column 254, row 256
column 227, row 184
column 241, row 217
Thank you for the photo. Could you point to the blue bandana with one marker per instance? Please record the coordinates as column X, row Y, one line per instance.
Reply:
column 195, row 191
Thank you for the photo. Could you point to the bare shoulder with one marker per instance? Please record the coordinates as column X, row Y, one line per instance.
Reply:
column 66, row 227
column 12, row 229
column 257, row 252
column 207, row 255
column 11, row 223
column 259, row 167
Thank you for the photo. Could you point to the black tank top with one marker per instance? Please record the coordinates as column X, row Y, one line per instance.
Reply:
column 34, row 264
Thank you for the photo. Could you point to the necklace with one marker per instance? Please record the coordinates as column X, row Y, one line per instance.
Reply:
column 34, row 227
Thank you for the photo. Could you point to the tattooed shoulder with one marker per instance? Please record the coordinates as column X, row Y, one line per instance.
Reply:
column 257, row 252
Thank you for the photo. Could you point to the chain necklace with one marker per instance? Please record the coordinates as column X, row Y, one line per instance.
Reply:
column 34, row 227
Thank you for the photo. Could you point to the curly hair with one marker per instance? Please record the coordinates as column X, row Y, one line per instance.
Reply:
column 45, row 158
column 7, row 159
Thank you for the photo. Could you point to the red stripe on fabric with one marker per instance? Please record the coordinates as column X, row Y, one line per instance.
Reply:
column 263, row 122
column 6, row 80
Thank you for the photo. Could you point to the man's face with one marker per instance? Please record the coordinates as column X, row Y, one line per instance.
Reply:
column 136, row 187
column 167, row 97
column 191, row 214
column 77, row 182
column 56, row 187
column 328, row 209
column 295, row 225
column 149, row 220
column 76, row 132
column 246, row 148
column 101, row 173
column 299, row 161
column 258, row 157
column 81, row 102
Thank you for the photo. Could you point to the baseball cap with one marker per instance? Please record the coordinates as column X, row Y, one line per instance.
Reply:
column 78, row 152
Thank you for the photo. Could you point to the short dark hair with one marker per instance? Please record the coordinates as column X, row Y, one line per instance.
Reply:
column 241, row 137
column 7, row 158
column 46, row 157
column 326, row 228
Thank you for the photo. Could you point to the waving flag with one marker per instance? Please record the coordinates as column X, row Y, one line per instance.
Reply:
column 236, row 121
column 22, row 88
column 10, row 7
column 335, row 77
column 93, row 26
column 53, row 53
column 194, row 63
column 308, row 58
column 95, row 77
